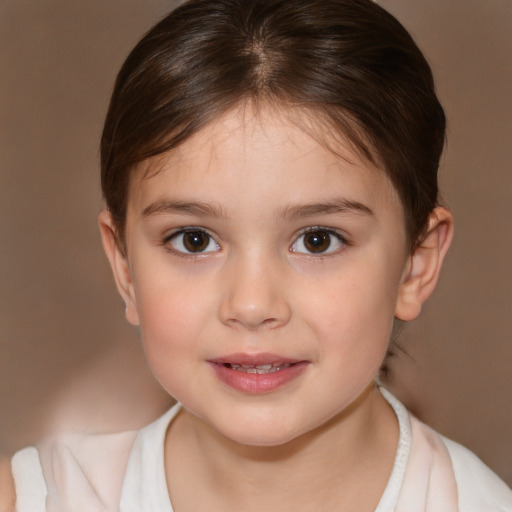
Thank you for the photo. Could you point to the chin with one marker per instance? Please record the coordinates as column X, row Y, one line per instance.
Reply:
column 258, row 431
column 261, row 438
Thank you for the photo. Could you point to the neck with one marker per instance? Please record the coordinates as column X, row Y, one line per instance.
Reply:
column 332, row 463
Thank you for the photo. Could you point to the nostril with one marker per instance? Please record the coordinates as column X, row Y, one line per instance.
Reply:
column 256, row 324
column 272, row 323
column 253, row 300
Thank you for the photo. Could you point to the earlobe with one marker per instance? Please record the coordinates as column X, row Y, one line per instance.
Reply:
column 119, row 265
column 424, row 266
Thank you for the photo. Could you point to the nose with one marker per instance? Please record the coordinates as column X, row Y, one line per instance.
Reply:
column 255, row 296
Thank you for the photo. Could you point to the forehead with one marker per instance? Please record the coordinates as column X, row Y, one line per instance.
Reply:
column 264, row 150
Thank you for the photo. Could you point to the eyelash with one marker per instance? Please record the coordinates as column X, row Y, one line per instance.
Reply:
column 314, row 229
column 183, row 231
column 329, row 232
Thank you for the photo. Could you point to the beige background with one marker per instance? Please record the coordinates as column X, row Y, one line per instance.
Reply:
column 67, row 358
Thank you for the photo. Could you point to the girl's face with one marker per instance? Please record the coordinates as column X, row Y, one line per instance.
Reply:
column 253, row 245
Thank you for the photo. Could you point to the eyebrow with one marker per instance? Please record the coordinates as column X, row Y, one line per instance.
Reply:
column 327, row 208
column 208, row 209
column 184, row 207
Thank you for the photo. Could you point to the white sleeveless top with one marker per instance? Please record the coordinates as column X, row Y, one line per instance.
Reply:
column 430, row 473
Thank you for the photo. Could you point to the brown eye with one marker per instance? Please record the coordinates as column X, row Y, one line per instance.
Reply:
column 318, row 241
column 193, row 241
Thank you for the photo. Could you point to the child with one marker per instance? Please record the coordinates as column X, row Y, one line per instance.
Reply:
column 270, row 174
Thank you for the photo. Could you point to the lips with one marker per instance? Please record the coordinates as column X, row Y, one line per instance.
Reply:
column 254, row 374
column 253, row 360
column 260, row 369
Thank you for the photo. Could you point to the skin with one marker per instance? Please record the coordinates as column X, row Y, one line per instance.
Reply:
column 7, row 495
column 254, row 182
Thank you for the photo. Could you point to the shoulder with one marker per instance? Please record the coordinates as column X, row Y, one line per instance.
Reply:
column 7, row 494
column 85, row 467
column 435, row 473
column 478, row 489
column 478, row 486
column 74, row 468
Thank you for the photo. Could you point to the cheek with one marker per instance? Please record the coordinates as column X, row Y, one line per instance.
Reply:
column 162, row 313
column 354, row 310
column 170, row 327
column 173, row 312
column 168, row 299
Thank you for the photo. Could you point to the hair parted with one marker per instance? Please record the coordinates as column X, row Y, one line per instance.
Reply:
column 348, row 63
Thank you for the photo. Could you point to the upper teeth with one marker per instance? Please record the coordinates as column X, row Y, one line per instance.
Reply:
column 258, row 368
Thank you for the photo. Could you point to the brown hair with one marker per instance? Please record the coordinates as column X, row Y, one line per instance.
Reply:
column 349, row 62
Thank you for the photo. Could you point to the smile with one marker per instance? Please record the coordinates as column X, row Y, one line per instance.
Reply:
column 259, row 374
column 260, row 369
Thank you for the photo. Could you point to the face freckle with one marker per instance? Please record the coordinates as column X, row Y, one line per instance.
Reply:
column 281, row 317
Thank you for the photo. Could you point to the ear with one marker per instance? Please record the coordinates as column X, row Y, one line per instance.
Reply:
column 119, row 264
column 424, row 265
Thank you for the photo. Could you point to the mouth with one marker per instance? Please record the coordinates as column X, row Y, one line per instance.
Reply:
column 260, row 369
column 261, row 373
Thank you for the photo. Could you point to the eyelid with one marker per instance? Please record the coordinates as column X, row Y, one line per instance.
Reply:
column 188, row 229
column 330, row 231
